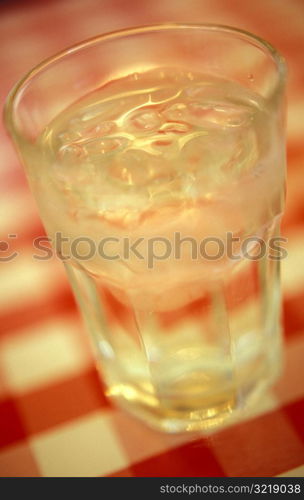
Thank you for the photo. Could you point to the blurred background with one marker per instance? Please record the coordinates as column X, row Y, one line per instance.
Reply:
column 35, row 298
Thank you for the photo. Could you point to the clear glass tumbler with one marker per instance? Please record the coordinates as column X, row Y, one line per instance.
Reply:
column 157, row 159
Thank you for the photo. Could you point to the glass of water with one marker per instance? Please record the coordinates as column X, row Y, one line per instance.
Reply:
column 157, row 159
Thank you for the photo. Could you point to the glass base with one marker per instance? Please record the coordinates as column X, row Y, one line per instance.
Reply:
column 206, row 415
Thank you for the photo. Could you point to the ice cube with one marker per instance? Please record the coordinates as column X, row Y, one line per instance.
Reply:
column 71, row 153
column 131, row 168
column 98, row 147
column 177, row 112
column 145, row 120
column 136, row 168
column 218, row 114
column 175, row 128
column 99, row 129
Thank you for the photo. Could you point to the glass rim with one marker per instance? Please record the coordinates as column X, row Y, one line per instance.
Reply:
column 256, row 40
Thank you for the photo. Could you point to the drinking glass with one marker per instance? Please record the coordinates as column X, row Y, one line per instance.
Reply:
column 157, row 159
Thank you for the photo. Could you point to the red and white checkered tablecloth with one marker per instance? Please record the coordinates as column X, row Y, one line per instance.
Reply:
column 54, row 417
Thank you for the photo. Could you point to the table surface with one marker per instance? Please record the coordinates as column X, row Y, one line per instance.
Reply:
column 54, row 418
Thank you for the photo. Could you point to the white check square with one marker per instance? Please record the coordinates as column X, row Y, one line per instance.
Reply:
column 85, row 447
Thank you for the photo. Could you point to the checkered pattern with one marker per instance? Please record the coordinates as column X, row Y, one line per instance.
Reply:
column 54, row 418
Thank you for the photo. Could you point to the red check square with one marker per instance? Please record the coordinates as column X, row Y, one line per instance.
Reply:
column 11, row 425
column 61, row 402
